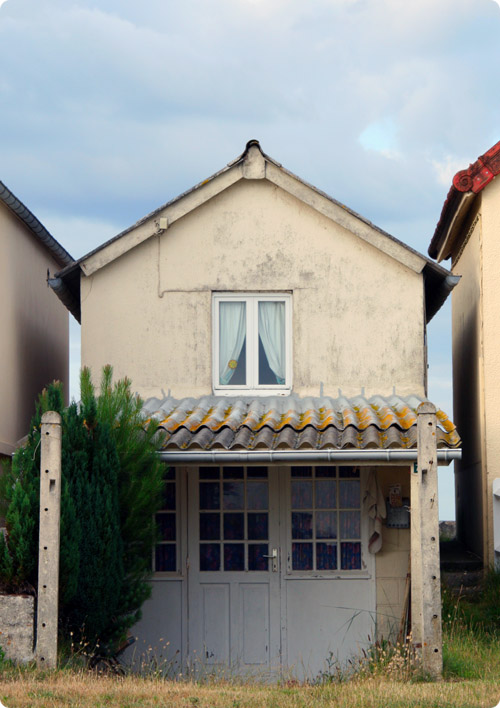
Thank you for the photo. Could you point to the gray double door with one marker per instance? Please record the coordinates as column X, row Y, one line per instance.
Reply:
column 277, row 579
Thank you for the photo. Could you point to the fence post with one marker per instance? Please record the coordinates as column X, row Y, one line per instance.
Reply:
column 48, row 549
column 426, row 590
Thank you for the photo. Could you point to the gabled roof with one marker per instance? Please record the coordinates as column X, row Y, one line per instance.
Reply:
column 466, row 185
column 252, row 164
column 293, row 423
column 35, row 226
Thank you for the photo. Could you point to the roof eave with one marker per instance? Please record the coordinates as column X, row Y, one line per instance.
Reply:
column 245, row 166
column 16, row 206
column 67, row 289
column 466, row 185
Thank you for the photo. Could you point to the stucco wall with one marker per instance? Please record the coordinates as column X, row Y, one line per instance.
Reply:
column 392, row 561
column 357, row 313
column 491, row 345
column 33, row 328
column 467, row 386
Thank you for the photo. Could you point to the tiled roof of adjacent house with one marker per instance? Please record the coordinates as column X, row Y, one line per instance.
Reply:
column 293, row 423
column 466, row 183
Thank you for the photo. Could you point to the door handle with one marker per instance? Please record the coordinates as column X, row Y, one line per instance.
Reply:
column 274, row 557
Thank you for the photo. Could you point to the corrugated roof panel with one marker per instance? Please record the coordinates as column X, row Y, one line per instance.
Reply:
column 291, row 422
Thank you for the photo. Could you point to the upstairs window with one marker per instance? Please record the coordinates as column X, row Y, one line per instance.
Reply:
column 252, row 343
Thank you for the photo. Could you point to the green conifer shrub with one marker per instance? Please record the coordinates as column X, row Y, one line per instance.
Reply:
column 112, row 481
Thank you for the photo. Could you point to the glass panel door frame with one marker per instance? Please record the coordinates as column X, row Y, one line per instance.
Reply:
column 367, row 560
column 229, row 592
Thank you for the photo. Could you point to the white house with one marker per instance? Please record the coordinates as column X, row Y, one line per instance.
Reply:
column 280, row 340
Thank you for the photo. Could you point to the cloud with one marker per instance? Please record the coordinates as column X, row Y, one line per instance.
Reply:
column 446, row 168
column 112, row 108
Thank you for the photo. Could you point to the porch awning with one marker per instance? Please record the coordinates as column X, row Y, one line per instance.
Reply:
column 284, row 423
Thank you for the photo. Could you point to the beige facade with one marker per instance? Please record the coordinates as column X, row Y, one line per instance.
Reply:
column 359, row 304
column 358, row 312
column 468, row 234
column 33, row 324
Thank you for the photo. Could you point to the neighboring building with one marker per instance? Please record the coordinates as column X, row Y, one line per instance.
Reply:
column 468, row 232
column 34, row 342
column 280, row 340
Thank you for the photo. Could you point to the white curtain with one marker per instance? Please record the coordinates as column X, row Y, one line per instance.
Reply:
column 272, row 333
column 232, row 331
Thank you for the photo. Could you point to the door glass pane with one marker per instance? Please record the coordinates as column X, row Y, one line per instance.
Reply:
column 209, row 495
column 258, row 526
column 169, row 496
column 350, row 554
column 165, row 558
column 349, row 494
column 232, row 343
column 166, row 526
column 326, row 556
column 234, row 496
column 234, row 556
column 257, row 495
column 350, row 524
column 256, row 559
column 234, row 526
column 301, row 524
column 349, row 472
column 326, row 524
column 302, row 471
column 272, row 351
column 302, row 495
column 257, row 472
column 233, row 472
column 326, row 494
column 326, row 471
column 209, row 472
column 209, row 527
column 302, row 556
column 209, row 556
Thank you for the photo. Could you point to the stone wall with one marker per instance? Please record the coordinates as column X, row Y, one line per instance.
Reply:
column 17, row 626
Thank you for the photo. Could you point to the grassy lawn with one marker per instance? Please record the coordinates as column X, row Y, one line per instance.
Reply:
column 471, row 651
column 35, row 690
column 472, row 680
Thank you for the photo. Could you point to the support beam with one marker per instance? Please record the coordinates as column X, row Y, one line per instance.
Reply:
column 426, row 579
column 48, row 553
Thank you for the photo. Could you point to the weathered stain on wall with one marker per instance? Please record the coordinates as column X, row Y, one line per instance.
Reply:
column 357, row 312
column 490, row 243
column 467, row 387
column 33, row 325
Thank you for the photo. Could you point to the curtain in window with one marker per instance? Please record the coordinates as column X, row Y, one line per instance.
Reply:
column 232, row 331
column 272, row 334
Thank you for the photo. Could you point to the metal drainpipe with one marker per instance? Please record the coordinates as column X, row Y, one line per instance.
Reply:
column 335, row 456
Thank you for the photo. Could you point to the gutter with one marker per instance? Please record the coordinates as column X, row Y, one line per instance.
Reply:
column 361, row 457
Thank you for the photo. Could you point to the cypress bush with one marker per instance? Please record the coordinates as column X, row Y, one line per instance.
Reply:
column 110, row 490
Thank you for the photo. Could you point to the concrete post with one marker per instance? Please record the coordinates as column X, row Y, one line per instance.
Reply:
column 426, row 584
column 48, row 554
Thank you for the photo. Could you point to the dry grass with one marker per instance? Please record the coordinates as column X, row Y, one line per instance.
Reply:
column 23, row 689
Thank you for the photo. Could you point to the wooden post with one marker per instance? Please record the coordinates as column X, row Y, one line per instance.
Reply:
column 48, row 553
column 426, row 583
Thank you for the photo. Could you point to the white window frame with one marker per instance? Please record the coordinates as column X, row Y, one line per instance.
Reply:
column 252, row 386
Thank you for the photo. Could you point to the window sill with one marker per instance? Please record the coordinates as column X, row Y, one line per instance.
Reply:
column 252, row 392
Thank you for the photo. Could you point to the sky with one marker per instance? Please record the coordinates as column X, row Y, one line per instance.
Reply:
column 110, row 108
